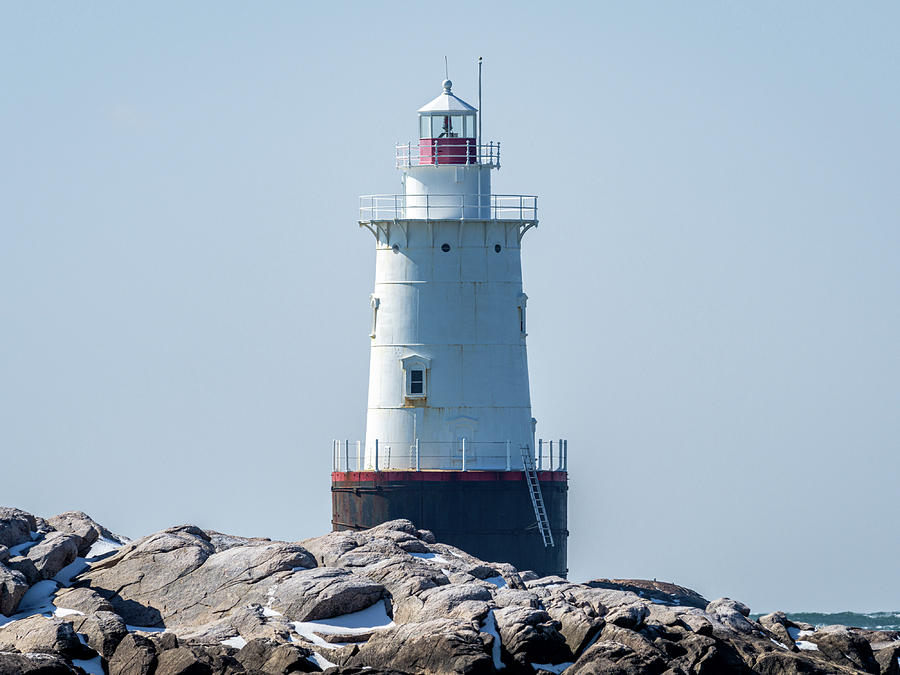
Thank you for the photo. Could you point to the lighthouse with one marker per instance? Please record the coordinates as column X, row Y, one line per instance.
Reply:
column 450, row 441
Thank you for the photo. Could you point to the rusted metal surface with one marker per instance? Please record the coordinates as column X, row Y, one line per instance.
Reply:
column 485, row 513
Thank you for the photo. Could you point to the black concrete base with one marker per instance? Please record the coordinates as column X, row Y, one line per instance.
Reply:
column 486, row 513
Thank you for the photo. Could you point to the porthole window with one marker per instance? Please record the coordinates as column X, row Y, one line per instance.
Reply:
column 445, row 248
column 497, row 248
column 395, row 248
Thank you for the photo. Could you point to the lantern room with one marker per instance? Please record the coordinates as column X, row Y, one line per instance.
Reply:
column 447, row 130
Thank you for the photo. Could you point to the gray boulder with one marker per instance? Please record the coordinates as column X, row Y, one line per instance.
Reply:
column 839, row 643
column 888, row 659
column 84, row 600
column 36, row 664
column 53, row 552
column 732, row 614
column 531, row 636
column 578, row 625
column 323, row 592
column 135, row 655
column 26, row 566
column 42, row 634
column 177, row 577
column 268, row 656
column 183, row 661
column 439, row 646
column 628, row 616
column 102, row 630
column 661, row 591
column 777, row 624
column 16, row 526
column 458, row 601
column 79, row 524
column 615, row 658
column 13, row 586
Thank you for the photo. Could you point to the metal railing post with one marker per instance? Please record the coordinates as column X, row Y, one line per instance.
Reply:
column 540, row 453
column 417, row 454
column 464, row 454
column 560, row 449
column 566, row 456
column 358, row 454
column 507, row 455
column 551, row 456
column 333, row 453
column 346, row 455
column 376, row 454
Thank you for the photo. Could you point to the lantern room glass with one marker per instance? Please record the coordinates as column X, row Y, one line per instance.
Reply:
column 447, row 126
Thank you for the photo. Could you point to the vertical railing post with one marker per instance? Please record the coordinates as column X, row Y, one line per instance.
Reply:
column 560, row 449
column 333, row 454
column 358, row 455
column 566, row 456
column 550, row 466
column 464, row 453
column 346, row 455
column 540, row 453
column 376, row 454
column 417, row 454
column 507, row 455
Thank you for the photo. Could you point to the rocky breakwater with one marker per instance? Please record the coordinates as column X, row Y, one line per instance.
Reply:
column 77, row 599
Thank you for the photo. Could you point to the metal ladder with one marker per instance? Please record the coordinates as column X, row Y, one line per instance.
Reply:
column 537, row 499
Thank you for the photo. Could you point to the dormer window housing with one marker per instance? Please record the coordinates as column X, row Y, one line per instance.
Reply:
column 416, row 381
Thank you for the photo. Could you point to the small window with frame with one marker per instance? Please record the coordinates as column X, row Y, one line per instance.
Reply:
column 416, row 382
column 415, row 376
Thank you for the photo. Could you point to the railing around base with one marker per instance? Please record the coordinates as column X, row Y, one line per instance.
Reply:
column 462, row 455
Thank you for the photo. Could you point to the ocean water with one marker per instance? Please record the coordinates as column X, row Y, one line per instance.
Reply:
column 872, row 620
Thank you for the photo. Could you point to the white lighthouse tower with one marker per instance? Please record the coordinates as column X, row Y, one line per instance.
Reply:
column 448, row 363
column 449, row 399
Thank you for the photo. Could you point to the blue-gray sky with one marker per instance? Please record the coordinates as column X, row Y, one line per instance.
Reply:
column 714, row 289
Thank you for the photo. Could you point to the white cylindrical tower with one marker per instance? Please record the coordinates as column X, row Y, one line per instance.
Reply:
column 448, row 377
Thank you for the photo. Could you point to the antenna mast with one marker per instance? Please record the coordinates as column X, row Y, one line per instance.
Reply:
column 479, row 102
column 446, row 69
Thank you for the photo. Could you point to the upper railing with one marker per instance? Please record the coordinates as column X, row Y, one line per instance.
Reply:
column 461, row 455
column 521, row 208
column 443, row 151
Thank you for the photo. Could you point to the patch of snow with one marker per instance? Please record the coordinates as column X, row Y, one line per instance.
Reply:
column 321, row 661
column 364, row 621
column 62, row 611
column 657, row 601
column 39, row 598
column 446, row 572
column 809, row 646
column 90, row 666
column 498, row 581
column 793, row 632
column 805, row 633
column 268, row 611
column 73, row 569
column 103, row 546
column 145, row 629
column 22, row 549
column 776, row 642
column 552, row 667
column 237, row 642
column 490, row 627
column 433, row 557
